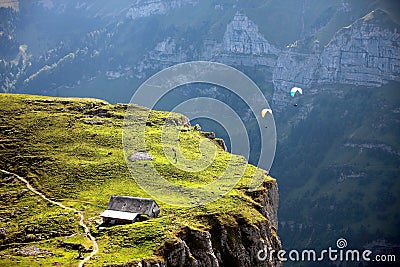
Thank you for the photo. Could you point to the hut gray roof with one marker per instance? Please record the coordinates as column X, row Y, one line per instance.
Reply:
column 138, row 205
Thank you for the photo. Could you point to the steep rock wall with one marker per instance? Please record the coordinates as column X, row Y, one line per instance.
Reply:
column 228, row 244
column 364, row 53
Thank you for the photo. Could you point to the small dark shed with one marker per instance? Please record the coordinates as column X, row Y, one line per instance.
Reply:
column 123, row 209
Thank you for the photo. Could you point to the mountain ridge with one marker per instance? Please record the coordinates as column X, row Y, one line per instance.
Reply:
column 262, row 54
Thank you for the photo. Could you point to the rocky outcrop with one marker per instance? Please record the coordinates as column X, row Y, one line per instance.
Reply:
column 231, row 245
column 228, row 244
column 268, row 198
column 243, row 37
column 242, row 44
column 193, row 248
column 364, row 53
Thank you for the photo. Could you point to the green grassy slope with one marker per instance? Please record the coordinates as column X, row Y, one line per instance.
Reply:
column 81, row 165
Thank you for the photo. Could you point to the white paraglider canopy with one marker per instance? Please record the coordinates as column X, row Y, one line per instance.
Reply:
column 294, row 90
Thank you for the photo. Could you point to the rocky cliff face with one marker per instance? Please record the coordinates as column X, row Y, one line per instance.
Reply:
column 243, row 37
column 242, row 44
column 235, row 244
column 364, row 53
